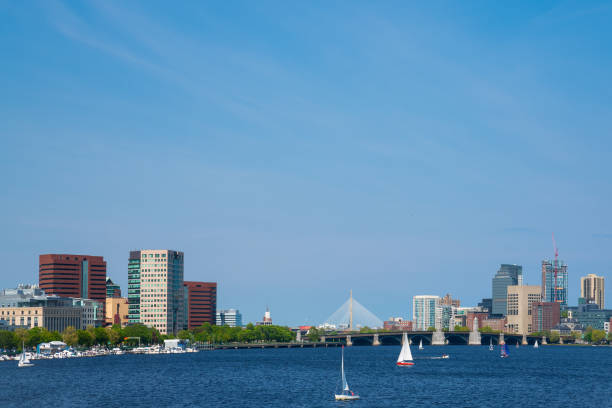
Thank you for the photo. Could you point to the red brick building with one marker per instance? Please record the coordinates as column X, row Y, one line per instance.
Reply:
column 494, row 324
column 481, row 316
column 545, row 315
column 200, row 303
column 79, row 276
column 398, row 325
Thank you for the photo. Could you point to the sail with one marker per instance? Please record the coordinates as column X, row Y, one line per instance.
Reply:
column 536, row 344
column 345, row 386
column 421, row 344
column 405, row 354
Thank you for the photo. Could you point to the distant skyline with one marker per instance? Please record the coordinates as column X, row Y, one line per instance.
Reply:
column 296, row 151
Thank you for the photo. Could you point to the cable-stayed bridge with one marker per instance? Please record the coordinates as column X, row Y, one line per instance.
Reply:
column 352, row 315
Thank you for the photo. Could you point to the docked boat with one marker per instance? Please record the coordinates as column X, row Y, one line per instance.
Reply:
column 346, row 394
column 405, row 356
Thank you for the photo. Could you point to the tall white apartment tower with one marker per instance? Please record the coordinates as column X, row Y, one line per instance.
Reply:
column 161, row 290
column 426, row 312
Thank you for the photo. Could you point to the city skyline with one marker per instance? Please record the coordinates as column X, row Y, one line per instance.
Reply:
column 302, row 152
column 135, row 256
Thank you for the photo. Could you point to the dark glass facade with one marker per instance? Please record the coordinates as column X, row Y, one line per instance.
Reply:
column 506, row 275
column 134, row 287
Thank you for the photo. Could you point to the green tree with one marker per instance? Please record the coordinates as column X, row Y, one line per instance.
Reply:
column 185, row 335
column 313, row 334
column 597, row 336
column 431, row 329
column 487, row 329
column 587, row 334
column 139, row 330
column 115, row 334
column 54, row 336
column 554, row 337
column 70, row 337
column 8, row 340
column 85, row 338
column 100, row 336
column 461, row 329
column 21, row 336
column 34, row 336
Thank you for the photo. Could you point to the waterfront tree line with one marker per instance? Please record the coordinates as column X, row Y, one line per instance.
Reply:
column 116, row 335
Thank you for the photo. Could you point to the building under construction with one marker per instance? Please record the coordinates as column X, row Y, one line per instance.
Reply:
column 554, row 282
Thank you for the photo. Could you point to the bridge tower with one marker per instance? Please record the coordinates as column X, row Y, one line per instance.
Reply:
column 351, row 312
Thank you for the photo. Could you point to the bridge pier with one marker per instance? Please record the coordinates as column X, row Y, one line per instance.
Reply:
column 524, row 341
column 501, row 338
column 475, row 338
column 349, row 343
column 560, row 340
column 322, row 340
column 437, row 338
column 376, row 342
column 544, row 340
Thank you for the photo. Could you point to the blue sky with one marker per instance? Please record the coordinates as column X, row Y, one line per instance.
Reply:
column 296, row 151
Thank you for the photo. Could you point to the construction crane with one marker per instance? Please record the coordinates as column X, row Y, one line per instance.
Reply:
column 555, row 265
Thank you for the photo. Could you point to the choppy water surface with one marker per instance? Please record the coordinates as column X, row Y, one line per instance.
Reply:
column 473, row 377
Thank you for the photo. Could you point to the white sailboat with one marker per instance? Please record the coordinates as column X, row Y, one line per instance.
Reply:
column 23, row 360
column 421, row 344
column 536, row 345
column 346, row 394
column 491, row 345
column 405, row 356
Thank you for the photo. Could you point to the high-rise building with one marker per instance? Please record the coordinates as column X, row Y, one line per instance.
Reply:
column 550, row 293
column 200, row 303
column 112, row 289
column 545, row 316
column 229, row 317
column 426, row 312
column 155, row 278
column 592, row 289
column 506, row 275
column 519, row 305
column 77, row 276
column 134, row 287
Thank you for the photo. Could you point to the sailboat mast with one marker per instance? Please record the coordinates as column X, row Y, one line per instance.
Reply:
column 351, row 311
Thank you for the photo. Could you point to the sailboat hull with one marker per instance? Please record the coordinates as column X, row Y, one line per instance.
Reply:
column 405, row 363
column 342, row 397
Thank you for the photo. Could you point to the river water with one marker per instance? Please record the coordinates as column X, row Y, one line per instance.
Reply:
column 551, row 376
